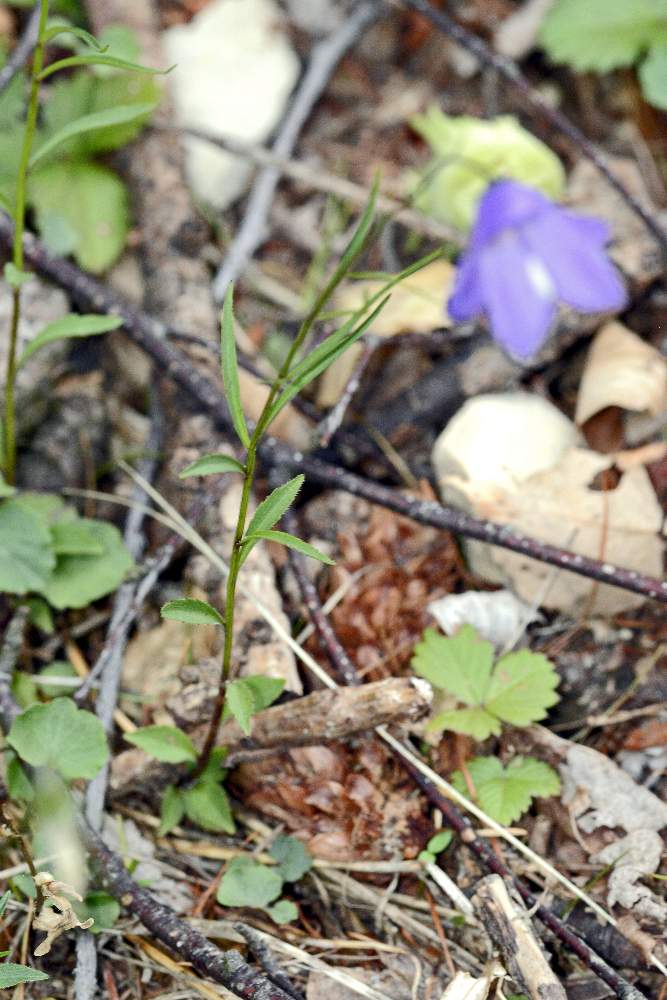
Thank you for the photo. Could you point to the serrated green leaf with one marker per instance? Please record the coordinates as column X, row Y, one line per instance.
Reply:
column 192, row 612
column 19, row 785
column 81, row 209
column 475, row 722
column 229, row 367
column 292, row 857
column 602, row 34
column 12, row 974
column 109, row 118
column 241, row 700
column 61, row 736
column 276, row 504
column 172, row 810
column 70, row 327
column 249, row 883
column 99, row 59
column 26, row 556
column 74, row 538
column 211, row 465
column 460, row 664
column 292, row 542
column 165, row 743
column 283, row 912
column 506, row 793
column 522, row 688
column 77, row 580
column 207, row 805
column 653, row 76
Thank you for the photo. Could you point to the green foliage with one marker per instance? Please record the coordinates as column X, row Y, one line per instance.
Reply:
column 604, row 35
column 172, row 810
column 108, row 118
column 45, row 548
column 292, row 857
column 240, row 698
column 165, row 743
column 211, row 465
column 207, row 805
column 271, row 510
column 246, row 882
column 264, row 691
column 59, row 668
column 505, row 793
column 292, row 542
column 191, row 612
column 62, row 737
column 518, row 690
column 12, row 974
column 103, row 908
column 18, row 784
column 69, row 327
column 438, row 843
column 229, row 368
column 469, row 153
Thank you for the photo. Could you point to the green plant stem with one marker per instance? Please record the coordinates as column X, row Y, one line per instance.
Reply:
column 237, row 547
column 17, row 253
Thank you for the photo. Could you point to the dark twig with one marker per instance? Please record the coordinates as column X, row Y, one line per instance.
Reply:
column 22, row 50
column 457, row 821
column 262, row 953
column 225, row 967
column 150, row 334
column 323, row 60
column 510, row 71
column 9, row 654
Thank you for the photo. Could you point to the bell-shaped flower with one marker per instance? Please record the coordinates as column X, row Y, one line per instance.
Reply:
column 526, row 254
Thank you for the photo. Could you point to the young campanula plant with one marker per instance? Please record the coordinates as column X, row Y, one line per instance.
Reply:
column 526, row 254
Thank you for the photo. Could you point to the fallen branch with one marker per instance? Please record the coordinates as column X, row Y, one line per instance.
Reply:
column 149, row 333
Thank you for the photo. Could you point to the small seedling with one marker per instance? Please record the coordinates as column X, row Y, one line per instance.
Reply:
column 246, row 882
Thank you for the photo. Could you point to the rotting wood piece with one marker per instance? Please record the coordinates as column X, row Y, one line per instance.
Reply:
column 315, row 718
column 508, row 925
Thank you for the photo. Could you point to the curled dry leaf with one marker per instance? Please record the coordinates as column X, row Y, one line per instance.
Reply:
column 633, row 858
column 621, row 370
column 417, row 305
column 499, row 616
column 57, row 914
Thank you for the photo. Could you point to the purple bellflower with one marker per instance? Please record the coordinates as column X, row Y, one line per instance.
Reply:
column 526, row 254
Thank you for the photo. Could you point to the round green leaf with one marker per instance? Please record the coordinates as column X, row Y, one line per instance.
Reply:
column 26, row 557
column 653, row 76
column 61, row 736
column 165, row 743
column 249, row 883
column 79, row 579
column 292, row 857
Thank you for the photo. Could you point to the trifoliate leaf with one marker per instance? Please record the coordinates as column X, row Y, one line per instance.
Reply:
column 460, row 664
column 241, row 700
column 475, row 722
column 207, row 805
column 653, row 76
column 292, row 857
column 172, row 810
column 283, row 912
column 506, row 793
column 165, row 743
column 522, row 687
column 602, row 34
column 469, row 153
column 61, row 736
column 249, row 883
column 26, row 556
column 191, row 612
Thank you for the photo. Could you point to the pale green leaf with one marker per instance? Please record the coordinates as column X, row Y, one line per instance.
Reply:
column 26, row 557
column 12, row 974
column 292, row 857
column 283, row 912
column 522, row 688
column 214, row 768
column 459, row 664
column 506, row 793
column 88, row 123
column 64, row 28
column 103, row 908
column 81, row 209
column 440, row 842
column 207, row 805
column 276, row 504
column 98, row 59
column 40, row 614
column 211, row 465
column 5, row 489
column 229, row 366
column 70, row 327
column 77, row 580
column 165, row 743
column 58, row 735
column 75, row 538
column 241, row 700
column 602, row 34
column 18, row 784
column 653, row 76
column 172, row 810
column 248, row 883
column 191, row 612
column 59, row 668
column 475, row 722
column 265, row 690
column 15, row 277
column 292, row 542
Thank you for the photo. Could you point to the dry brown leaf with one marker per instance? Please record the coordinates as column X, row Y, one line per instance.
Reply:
column 633, row 858
column 417, row 305
column 57, row 915
column 621, row 370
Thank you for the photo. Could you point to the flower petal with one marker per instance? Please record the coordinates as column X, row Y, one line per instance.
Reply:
column 519, row 296
column 465, row 302
column 572, row 249
column 505, row 205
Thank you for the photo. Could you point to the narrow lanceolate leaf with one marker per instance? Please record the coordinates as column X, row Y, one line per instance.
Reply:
column 98, row 60
column 88, row 123
column 230, row 372
column 240, row 698
column 211, row 465
column 12, row 974
column 80, row 33
column 69, row 327
column 172, row 810
column 292, row 542
column 191, row 612
column 272, row 509
column 165, row 743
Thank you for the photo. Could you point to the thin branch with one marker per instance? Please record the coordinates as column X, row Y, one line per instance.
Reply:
column 22, row 50
column 323, row 60
column 12, row 641
column 510, row 71
column 149, row 333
